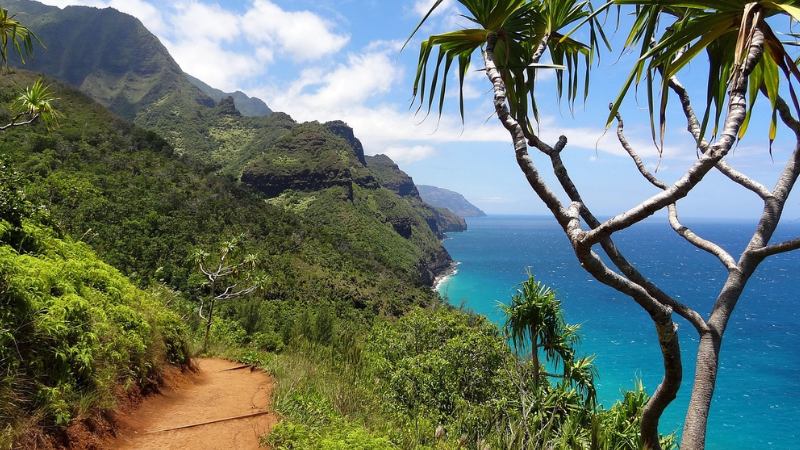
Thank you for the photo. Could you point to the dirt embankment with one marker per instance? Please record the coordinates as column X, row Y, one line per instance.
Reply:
column 222, row 406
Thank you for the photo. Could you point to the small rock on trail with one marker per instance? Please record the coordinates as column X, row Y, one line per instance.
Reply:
column 209, row 410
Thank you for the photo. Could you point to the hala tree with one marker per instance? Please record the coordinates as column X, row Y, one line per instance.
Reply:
column 746, row 61
column 535, row 322
column 35, row 102
column 231, row 275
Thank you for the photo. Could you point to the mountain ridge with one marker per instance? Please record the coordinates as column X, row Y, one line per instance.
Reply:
column 450, row 200
column 248, row 106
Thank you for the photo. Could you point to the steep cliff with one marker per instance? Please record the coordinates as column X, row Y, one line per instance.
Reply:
column 109, row 55
column 390, row 176
column 318, row 174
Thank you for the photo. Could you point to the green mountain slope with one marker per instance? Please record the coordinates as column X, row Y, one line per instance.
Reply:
column 110, row 56
column 259, row 150
column 144, row 209
column 114, row 59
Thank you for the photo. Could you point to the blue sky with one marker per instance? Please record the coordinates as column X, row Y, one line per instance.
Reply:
column 327, row 59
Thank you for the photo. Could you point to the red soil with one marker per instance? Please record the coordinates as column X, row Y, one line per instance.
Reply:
column 206, row 409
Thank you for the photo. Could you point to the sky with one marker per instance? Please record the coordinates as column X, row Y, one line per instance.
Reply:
column 341, row 59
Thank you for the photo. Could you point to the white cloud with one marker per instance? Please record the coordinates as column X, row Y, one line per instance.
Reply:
column 197, row 58
column 151, row 16
column 421, row 7
column 405, row 155
column 301, row 35
column 323, row 94
column 194, row 20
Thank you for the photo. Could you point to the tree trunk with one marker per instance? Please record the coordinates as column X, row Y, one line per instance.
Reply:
column 208, row 325
column 705, row 378
column 667, row 390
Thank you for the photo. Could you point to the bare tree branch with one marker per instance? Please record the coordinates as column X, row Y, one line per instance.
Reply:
column 693, row 125
column 781, row 247
column 725, row 258
column 14, row 122
column 743, row 180
column 635, row 156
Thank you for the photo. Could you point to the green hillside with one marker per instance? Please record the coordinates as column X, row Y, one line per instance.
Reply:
column 145, row 209
column 110, row 56
column 72, row 328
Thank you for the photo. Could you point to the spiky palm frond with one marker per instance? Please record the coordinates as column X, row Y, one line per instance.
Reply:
column 36, row 101
column 723, row 29
column 18, row 35
column 524, row 29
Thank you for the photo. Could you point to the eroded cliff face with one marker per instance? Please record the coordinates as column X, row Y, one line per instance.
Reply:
column 344, row 131
column 310, row 158
column 320, row 174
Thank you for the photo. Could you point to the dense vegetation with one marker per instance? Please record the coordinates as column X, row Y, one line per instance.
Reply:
column 434, row 379
column 324, row 321
column 122, row 190
column 72, row 328
column 145, row 210
column 101, row 222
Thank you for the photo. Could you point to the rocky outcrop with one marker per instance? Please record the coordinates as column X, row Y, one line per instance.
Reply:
column 342, row 130
column 226, row 107
column 309, row 158
column 391, row 177
column 440, row 220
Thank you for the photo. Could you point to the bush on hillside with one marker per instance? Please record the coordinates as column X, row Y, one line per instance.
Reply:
column 71, row 328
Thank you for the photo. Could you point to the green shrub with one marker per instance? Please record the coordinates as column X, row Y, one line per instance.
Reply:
column 441, row 361
column 71, row 327
column 341, row 436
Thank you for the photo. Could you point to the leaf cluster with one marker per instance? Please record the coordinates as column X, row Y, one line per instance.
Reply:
column 671, row 34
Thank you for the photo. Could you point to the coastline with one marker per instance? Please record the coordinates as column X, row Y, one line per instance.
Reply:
column 441, row 278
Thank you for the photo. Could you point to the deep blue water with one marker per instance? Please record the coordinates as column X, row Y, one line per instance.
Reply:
column 757, row 401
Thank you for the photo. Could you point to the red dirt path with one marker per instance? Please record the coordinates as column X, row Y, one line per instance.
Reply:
column 213, row 393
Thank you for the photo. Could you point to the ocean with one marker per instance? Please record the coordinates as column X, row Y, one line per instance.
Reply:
column 756, row 404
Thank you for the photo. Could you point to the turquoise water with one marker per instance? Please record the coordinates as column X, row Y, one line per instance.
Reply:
column 757, row 400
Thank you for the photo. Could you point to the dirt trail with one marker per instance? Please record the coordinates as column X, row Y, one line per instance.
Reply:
column 180, row 418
